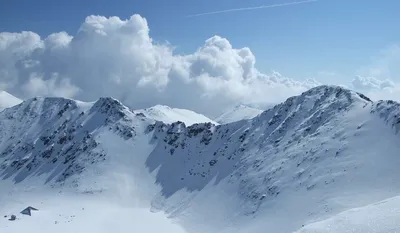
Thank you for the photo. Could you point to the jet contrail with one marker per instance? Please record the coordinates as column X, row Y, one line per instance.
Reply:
column 251, row 8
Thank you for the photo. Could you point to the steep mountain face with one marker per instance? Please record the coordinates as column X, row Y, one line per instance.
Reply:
column 305, row 160
column 170, row 115
column 7, row 100
column 55, row 135
column 239, row 112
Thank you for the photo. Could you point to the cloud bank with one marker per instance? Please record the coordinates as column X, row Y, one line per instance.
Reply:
column 118, row 58
column 377, row 89
column 370, row 83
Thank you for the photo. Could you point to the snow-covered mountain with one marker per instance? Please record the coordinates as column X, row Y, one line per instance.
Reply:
column 297, row 166
column 169, row 115
column 239, row 112
column 7, row 100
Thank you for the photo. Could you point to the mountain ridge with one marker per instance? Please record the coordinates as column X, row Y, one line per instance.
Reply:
column 295, row 156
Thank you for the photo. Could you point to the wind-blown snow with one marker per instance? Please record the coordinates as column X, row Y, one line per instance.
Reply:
column 7, row 100
column 169, row 115
column 239, row 112
column 306, row 160
column 66, row 212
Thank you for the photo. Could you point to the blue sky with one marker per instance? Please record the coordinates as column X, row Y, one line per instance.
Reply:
column 331, row 41
column 299, row 41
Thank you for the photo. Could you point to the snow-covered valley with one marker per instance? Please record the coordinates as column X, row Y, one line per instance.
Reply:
column 72, row 212
column 316, row 163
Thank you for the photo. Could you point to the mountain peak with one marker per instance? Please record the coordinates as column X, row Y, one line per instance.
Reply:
column 105, row 104
column 323, row 96
column 338, row 92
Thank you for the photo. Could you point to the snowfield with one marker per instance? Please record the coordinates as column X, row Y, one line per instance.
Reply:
column 239, row 112
column 316, row 163
column 170, row 115
column 382, row 217
column 82, row 213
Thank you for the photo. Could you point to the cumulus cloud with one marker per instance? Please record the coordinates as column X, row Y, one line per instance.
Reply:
column 384, row 94
column 380, row 78
column 114, row 57
column 377, row 89
column 368, row 83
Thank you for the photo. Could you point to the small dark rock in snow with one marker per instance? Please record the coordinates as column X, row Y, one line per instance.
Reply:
column 213, row 162
column 12, row 218
column 28, row 210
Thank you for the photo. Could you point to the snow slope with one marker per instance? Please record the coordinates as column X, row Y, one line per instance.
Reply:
column 56, row 164
column 239, row 112
column 7, row 100
column 382, row 217
column 169, row 115
column 66, row 212
column 302, row 162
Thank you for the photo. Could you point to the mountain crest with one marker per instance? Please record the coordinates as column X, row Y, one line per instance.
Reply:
column 109, row 106
column 335, row 92
column 314, row 146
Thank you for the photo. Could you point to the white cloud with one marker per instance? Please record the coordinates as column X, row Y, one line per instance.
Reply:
column 380, row 78
column 114, row 57
column 377, row 89
column 384, row 94
column 368, row 83
column 54, row 86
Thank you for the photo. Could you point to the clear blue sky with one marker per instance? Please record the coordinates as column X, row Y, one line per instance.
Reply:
column 299, row 41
